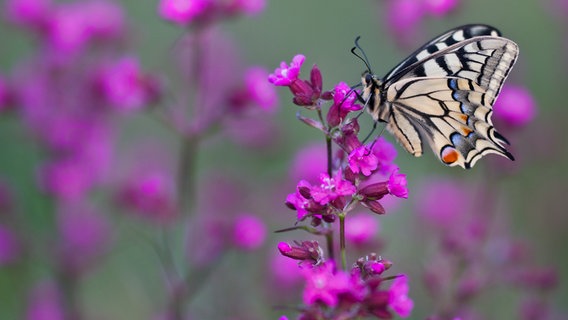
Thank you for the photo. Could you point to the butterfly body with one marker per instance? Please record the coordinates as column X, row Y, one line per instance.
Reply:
column 443, row 95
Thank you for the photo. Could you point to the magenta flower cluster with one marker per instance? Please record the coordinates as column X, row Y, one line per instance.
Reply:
column 357, row 174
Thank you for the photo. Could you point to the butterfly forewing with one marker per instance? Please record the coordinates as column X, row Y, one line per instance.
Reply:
column 443, row 94
column 443, row 41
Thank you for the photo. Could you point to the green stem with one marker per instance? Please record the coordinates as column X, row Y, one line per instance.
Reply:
column 342, row 241
column 187, row 175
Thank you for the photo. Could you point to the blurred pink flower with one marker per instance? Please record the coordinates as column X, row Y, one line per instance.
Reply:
column 4, row 95
column 30, row 13
column 67, row 179
column 72, row 26
column 399, row 300
column 9, row 246
column 309, row 162
column 385, row 153
column 150, row 194
column 440, row 7
column 182, row 11
column 403, row 17
column 259, row 90
column 361, row 228
column 249, row 232
column 285, row 271
column 45, row 303
column 286, row 75
column 515, row 106
column 124, row 85
column 85, row 235
column 251, row 7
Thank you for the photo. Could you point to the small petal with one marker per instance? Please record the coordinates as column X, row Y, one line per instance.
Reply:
column 397, row 184
column 285, row 75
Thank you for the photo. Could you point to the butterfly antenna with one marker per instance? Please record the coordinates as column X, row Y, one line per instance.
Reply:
column 363, row 57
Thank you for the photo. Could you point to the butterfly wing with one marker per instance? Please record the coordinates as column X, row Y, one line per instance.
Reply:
column 442, row 41
column 446, row 99
column 450, row 114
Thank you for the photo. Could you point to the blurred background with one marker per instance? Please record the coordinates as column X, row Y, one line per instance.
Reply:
column 108, row 196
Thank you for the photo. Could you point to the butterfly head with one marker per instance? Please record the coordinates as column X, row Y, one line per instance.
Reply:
column 372, row 94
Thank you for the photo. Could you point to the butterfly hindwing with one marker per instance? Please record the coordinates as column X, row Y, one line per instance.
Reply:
column 449, row 114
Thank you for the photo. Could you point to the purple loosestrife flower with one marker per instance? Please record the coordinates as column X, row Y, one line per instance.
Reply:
column 249, row 232
column 286, row 75
column 362, row 160
column 183, row 11
column 515, row 106
column 331, row 188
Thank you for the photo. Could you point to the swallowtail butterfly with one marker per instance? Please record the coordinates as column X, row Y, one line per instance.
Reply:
column 443, row 95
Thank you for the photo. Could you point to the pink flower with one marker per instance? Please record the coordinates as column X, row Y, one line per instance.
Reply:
column 67, row 179
column 398, row 297
column 32, row 13
column 68, row 33
column 285, row 271
column 85, row 235
column 515, row 106
column 362, row 160
column 306, row 251
column 286, row 75
column 183, row 11
column 397, row 185
column 9, row 246
column 150, row 194
column 249, row 232
column 440, row 7
column 45, row 303
column 343, row 102
column 297, row 202
column 309, row 162
column 326, row 286
column 332, row 188
column 104, row 19
column 403, row 17
column 259, row 90
column 124, row 86
column 361, row 228
column 385, row 153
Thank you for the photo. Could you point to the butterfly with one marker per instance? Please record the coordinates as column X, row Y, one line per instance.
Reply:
column 443, row 94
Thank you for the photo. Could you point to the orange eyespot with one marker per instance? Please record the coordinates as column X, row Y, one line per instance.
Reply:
column 449, row 155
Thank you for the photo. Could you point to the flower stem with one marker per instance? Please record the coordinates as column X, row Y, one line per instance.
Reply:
column 342, row 241
column 187, row 175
